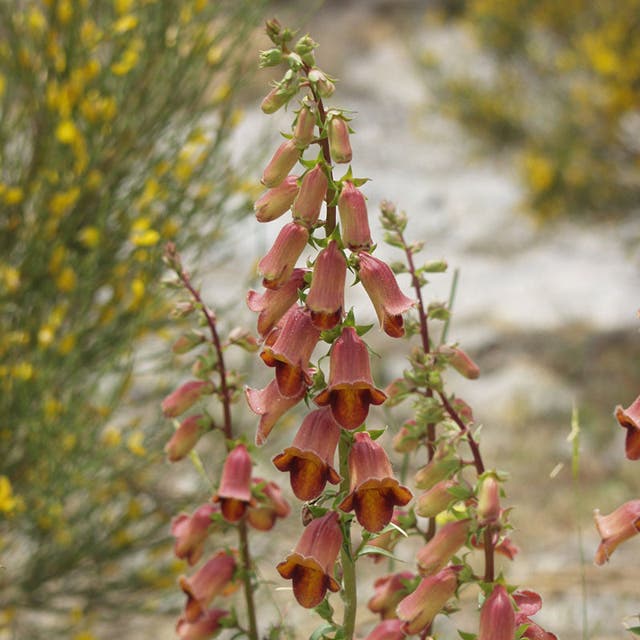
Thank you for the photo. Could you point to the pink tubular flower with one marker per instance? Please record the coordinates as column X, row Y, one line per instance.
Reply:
column 186, row 436
column 615, row 528
column 389, row 590
column 234, row 493
column 387, row 299
column 270, row 405
column 338, row 135
column 629, row 418
column 388, row 630
column 435, row 555
column 313, row 189
column 529, row 603
column 310, row 565
column 290, row 353
column 419, row 608
column 304, row 128
column 497, row 616
column 444, row 464
column 278, row 264
column 204, row 627
column 436, row 499
column 208, row 582
column 460, row 361
column 272, row 204
column 354, row 218
column 488, row 509
column 271, row 505
column 280, row 165
column 274, row 303
column 374, row 491
column 350, row 390
column 185, row 396
column 309, row 459
column 326, row 295
column 190, row 532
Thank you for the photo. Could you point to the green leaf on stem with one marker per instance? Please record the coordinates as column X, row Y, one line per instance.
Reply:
column 466, row 636
column 321, row 632
column 374, row 434
column 369, row 550
column 325, row 610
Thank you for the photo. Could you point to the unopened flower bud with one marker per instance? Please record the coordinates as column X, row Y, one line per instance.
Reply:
column 277, row 266
column 436, row 554
column 187, row 342
column 354, row 218
column 497, row 617
column 185, row 396
column 304, row 129
column 186, row 436
column 460, row 361
column 276, row 201
column 243, row 339
column 283, row 160
column 304, row 48
column 436, row 499
column 270, row 58
column 488, row 501
column 338, row 135
column 324, row 86
column 313, row 189
column 275, row 99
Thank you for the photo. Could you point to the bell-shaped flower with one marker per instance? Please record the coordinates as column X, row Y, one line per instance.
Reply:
column 279, row 262
column 274, row 303
column 270, row 506
column 354, row 219
column 338, row 136
column 351, row 389
column 270, row 405
column 185, row 396
column 436, row 499
column 629, row 418
column 497, row 616
column 290, row 353
column 272, row 204
column 313, row 190
column 389, row 590
column 387, row 299
column 326, row 295
column 309, row 459
column 283, row 160
column 310, row 565
column 529, row 603
column 305, row 124
column 419, row 608
column 374, row 491
column 615, row 528
column 234, row 493
column 388, row 630
column 209, row 581
column 204, row 627
column 488, row 509
column 186, row 436
column 190, row 532
column 444, row 464
column 449, row 538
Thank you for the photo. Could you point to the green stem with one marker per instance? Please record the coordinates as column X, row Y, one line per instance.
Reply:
column 246, row 579
column 349, row 586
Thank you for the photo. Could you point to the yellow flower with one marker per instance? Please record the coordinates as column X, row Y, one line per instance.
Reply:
column 10, row 277
column 90, row 34
column 14, row 195
column 67, row 280
column 147, row 238
column 63, row 201
column 57, row 258
column 89, row 237
column 134, row 509
column 134, row 444
column 53, row 408
column 46, row 335
column 64, row 11
column 66, row 344
column 111, row 437
column 22, row 371
column 122, row 6
column 3, row 84
column 128, row 61
column 8, row 502
column 84, row 635
column 137, row 289
column 67, row 132
column 36, row 21
column 214, row 55
column 94, row 179
column 69, row 441
column 125, row 23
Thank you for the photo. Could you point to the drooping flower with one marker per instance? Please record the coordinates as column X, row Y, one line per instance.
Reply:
column 190, row 532
column 290, row 353
column 419, row 608
column 374, row 491
column 620, row 525
column 338, row 136
column 313, row 189
column 186, row 436
column 274, row 303
column 629, row 418
column 351, row 389
column 204, row 627
column 388, row 630
column 275, row 202
column 529, row 603
column 270, row 405
column 208, row 582
column 280, row 165
column 185, row 396
column 387, row 299
column 234, row 493
column 389, row 590
column 310, row 565
column 435, row 555
column 354, row 219
column 497, row 616
column 304, row 128
column 279, row 262
column 309, row 459
column 270, row 506
column 326, row 295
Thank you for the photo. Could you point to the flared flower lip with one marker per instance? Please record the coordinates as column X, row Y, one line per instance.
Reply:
column 349, row 407
column 310, row 581
column 627, row 419
column 320, row 470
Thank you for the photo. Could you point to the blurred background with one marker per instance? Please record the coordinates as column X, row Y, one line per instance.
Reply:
column 508, row 131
